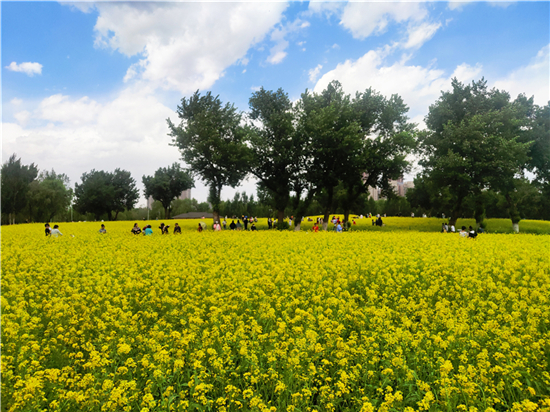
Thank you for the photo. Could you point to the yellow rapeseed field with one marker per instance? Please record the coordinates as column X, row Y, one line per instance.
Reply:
column 273, row 321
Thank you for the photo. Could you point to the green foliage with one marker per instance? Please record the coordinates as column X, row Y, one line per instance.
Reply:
column 104, row 193
column 49, row 195
column 473, row 143
column 16, row 179
column 167, row 184
column 275, row 146
column 212, row 142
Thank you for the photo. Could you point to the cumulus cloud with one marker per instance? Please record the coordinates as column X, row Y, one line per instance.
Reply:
column 129, row 132
column 22, row 117
column 365, row 19
column 184, row 46
column 314, row 73
column 16, row 101
column 30, row 69
column 533, row 79
column 418, row 86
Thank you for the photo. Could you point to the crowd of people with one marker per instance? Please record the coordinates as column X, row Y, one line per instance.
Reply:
column 338, row 226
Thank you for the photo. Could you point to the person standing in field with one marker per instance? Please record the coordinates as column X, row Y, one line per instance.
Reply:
column 225, row 223
column 245, row 221
column 232, row 226
column 338, row 227
column 269, row 223
column 217, row 227
column 315, row 227
column 55, row 231
column 239, row 225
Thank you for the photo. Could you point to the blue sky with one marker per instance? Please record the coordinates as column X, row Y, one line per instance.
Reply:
column 89, row 85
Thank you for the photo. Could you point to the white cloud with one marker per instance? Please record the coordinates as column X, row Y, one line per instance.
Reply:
column 418, row 86
column 532, row 79
column 314, row 73
column 16, row 101
column 366, row 19
column 74, row 136
column 22, row 117
column 279, row 35
column 30, row 69
column 183, row 46
column 420, row 34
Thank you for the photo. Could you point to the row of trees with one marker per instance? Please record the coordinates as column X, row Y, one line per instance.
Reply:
column 307, row 149
column 331, row 145
column 321, row 154
column 39, row 196
column 479, row 141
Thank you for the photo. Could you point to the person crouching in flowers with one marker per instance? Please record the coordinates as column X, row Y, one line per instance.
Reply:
column 315, row 227
column 135, row 230
column 200, row 228
column 177, row 229
column 102, row 230
column 148, row 230
column 56, row 232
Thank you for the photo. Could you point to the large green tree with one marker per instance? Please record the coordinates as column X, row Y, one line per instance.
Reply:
column 16, row 179
column 274, row 145
column 49, row 195
column 473, row 143
column 167, row 184
column 212, row 142
column 334, row 141
column 353, row 144
column 106, row 193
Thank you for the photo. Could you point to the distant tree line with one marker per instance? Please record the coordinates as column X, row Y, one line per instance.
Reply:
column 319, row 155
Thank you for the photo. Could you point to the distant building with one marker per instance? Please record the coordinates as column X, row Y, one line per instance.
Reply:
column 399, row 187
column 186, row 194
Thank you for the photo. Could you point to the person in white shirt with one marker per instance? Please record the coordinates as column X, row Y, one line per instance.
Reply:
column 463, row 232
column 55, row 231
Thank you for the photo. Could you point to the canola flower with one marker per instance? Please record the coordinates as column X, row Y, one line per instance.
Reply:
column 273, row 321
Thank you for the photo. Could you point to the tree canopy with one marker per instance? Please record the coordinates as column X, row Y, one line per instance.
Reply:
column 16, row 180
column 212, row 143
column 167, row 184
column 104, row 192
column 473, row 143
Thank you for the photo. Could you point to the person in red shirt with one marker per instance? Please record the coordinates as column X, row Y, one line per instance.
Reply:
column 315, row 227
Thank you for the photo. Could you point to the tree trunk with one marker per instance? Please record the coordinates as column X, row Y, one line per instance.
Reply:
column 514, row 213
column 116, row 215
column 479, row 212
column 216, row 216
column 346, row 215
column 280, row 218
column 297, row 225
column 326, row 217
column 167, row 212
